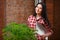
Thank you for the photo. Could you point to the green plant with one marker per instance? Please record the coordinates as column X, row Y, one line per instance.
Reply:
column 15, row 31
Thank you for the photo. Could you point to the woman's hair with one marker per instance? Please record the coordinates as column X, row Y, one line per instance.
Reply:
column 43, row 13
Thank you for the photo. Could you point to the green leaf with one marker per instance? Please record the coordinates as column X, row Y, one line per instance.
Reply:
column 14, row 31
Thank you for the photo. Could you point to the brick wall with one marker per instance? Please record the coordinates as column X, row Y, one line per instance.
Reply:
column 18, row 10
column 2, row 24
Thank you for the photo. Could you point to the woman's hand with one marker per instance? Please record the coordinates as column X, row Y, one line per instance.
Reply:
column 46, row 35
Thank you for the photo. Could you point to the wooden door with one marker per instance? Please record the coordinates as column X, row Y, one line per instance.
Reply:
column 53, row 9
column 56, row 20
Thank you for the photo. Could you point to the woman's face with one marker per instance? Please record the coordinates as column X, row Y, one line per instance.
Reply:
column 38, row 9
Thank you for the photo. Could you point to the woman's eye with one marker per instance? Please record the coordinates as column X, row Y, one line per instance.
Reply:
column 40, row 8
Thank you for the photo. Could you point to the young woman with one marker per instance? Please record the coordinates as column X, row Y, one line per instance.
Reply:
column 40, row 17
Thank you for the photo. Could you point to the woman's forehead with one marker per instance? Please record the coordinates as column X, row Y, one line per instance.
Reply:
column 39, row 5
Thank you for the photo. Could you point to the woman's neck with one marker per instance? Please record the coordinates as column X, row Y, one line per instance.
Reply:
column 38, row 15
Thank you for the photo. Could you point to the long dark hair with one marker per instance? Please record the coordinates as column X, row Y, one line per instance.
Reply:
column 43, row 13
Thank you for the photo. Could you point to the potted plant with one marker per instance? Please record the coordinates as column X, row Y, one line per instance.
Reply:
column 14, row 31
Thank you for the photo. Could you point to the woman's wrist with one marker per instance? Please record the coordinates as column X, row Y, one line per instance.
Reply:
column 47, row 34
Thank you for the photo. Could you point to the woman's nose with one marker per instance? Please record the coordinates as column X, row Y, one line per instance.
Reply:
column 37, row 9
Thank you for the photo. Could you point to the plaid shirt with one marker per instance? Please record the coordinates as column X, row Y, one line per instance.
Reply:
column 32, row 24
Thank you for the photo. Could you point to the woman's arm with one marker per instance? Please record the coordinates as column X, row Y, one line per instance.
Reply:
column 49, row 30
column 30, row 22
